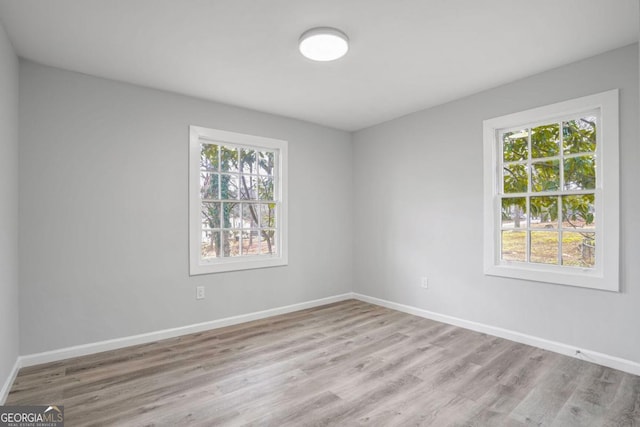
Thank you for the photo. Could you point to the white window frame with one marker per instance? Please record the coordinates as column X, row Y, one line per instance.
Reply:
column 223, row 264
column 605, row 274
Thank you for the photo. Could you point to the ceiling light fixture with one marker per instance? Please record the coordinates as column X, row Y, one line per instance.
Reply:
column 323, row 44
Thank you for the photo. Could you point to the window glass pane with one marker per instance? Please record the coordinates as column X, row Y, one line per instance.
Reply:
column 268, row 242
column 579, row 249
column 250, row 212
column 514, row 245
column 228, row 187
column 268, row 215
column 545, row 176
column 210, row 247
column 209, row 185
column 515, row 178
column 266, row 160
column 231, row 215
column 545, row 141
column 248, row 187
column 231, row 243
column 580, row 173
column 265, row 188
column 248, row 162
column 209, row 157
column 210, row 215
column 228, row 159
column 250, row 242
column 514, row 211
column 579, row 211
column 515, row 145
column 544, row 212
column 579, row 136
column 544, row 247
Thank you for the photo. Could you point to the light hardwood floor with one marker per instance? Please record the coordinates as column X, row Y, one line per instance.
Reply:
column 348, row 364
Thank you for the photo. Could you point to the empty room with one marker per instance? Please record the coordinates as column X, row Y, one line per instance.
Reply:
column 337, row 212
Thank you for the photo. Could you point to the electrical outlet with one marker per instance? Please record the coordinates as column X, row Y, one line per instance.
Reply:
column 199, row 292
column 424, row 283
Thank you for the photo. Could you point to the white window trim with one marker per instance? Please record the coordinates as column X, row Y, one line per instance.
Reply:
column 606, row 274
column 196, row 133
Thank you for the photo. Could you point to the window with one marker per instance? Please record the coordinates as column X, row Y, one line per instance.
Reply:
column 551, row 193
column 237, row 201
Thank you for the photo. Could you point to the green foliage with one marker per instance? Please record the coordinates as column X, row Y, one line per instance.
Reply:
column 520, row 203
column 515, row 178
column 209, row 157
column 579, row 136
column 580, row 173
column 545, row 176
column 545, row 141
column 545, row 208
column 578, row 142
column 516, row 146
column 578, row 210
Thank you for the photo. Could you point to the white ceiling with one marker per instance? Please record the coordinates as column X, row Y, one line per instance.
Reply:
column 405, row 55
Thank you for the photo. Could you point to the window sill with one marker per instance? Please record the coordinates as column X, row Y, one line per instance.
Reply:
column 570, row 276
column 230, row 264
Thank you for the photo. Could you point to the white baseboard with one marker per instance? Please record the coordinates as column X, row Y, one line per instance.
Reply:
column 557, row 347
column 4, row 392
column 85, row 349
column 82, row 350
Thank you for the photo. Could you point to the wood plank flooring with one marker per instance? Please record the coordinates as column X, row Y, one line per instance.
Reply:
column 346, row 364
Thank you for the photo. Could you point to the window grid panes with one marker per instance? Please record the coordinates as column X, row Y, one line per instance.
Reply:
column 238, row 201
column 547, row 191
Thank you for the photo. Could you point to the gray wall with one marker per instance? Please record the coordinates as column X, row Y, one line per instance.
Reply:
column 103, row 208
column 103, row 212
column 419, row 210
column 9, row 340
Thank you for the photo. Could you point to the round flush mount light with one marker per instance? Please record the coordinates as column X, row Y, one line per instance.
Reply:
column 323, row 44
